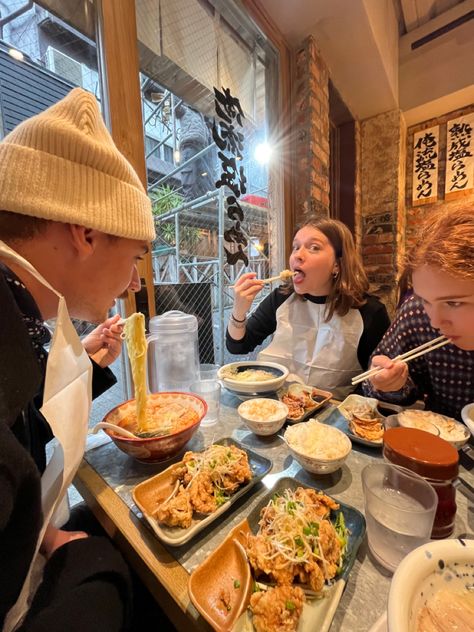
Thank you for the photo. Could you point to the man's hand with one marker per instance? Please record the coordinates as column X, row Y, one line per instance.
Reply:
column 54, row 538
column 104, row 344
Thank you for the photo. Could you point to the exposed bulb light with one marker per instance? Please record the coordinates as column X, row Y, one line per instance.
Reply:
column 204, row 174
column 263, row 153
column 177, row 155
column 16, row 54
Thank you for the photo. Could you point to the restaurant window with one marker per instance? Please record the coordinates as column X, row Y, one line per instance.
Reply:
column 187, row 48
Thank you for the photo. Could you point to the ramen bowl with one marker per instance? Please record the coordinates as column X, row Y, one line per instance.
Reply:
column 426, row 572
column 252, row 377
column 156, row 448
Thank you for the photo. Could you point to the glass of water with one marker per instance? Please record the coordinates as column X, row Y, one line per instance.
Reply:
column 400, row 507
column 210, row 391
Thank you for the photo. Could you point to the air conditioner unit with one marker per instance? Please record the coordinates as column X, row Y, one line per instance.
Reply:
column 64, row 66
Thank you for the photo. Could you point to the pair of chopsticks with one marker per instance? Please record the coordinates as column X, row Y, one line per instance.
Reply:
column 279, row 277
column 405, row 357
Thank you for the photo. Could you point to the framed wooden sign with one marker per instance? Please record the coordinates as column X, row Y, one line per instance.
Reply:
column 459, row 157
column 425, row 166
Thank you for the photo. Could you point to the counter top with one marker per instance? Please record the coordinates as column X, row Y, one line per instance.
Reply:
column 365, row 596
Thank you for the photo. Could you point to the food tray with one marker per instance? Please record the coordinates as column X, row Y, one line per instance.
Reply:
column 224, row 566
column 340, row 417
column 322, row 398
column 161, row 485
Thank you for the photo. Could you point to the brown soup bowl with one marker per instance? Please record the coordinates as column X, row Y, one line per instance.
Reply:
column 155, row 449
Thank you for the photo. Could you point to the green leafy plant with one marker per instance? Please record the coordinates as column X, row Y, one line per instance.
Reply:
column 163, row 200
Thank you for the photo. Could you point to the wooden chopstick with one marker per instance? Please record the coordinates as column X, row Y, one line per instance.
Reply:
column 405, row 357
column 270, row 280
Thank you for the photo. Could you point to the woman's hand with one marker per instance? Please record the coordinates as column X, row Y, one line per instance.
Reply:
column 104, row 344
column 392, row 378
column 54, row 538
column 245, row 291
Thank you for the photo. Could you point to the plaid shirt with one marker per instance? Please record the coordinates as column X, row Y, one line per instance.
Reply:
column 443, row 378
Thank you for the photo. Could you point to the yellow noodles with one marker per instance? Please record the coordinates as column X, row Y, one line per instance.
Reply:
column 134, row 331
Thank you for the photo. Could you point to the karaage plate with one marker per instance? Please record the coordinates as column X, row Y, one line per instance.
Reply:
column 217, row 573
column 147, row 494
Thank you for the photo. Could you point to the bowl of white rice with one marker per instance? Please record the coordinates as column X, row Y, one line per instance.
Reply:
column 264, row 416
column 318, row 448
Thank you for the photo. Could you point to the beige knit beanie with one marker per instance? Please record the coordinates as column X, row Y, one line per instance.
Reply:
column 63, row 165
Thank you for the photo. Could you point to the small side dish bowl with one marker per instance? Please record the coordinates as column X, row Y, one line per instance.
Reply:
column 154, row 449
column 229, row 375
column 318, row 448
column 467, row 414
column 262, row 415
column 444, row 565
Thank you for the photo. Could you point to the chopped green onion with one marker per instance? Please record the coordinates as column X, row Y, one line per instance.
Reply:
column 236, row 583
column 289, row 605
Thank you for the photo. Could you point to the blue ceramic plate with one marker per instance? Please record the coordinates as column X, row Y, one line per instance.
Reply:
column 216, row 572
column 162, row 484
column 354, row 520
column 338, row 420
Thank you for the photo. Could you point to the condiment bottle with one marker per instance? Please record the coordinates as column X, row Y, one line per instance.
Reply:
column 435, row 460
column 173, row 352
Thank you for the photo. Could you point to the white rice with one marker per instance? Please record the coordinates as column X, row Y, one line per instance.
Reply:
column 262, row 409
column 317, row 440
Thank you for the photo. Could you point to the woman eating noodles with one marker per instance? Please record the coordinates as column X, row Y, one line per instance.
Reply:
column 441, row 268
column 325, row 325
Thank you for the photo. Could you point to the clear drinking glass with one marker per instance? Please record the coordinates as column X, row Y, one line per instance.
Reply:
column 210, row 391
column 208, row 371
column 400, row 507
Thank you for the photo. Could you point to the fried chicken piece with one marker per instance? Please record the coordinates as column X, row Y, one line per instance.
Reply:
column 239, row 473
column 201, row 492
column 177, row 512
column 330, row 546
column 318, row 505
column 258, row 550
column 277, row 609
column 312, row 575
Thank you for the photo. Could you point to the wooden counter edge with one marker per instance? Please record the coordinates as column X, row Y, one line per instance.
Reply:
column 164, row 577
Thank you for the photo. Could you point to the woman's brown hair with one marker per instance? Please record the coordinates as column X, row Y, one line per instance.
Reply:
column 445, row 241
column 350, row 284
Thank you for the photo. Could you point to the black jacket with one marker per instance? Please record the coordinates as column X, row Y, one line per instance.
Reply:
column 23, row 435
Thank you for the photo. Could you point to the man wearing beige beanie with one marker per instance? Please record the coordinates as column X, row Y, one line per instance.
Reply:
column 74, row 221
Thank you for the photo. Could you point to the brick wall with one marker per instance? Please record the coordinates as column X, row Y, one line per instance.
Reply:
column 311, row 126
column 380, row 200
column 415, row 214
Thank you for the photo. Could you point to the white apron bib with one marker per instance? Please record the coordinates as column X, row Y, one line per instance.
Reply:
column 66, row 406
column 322, row 354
